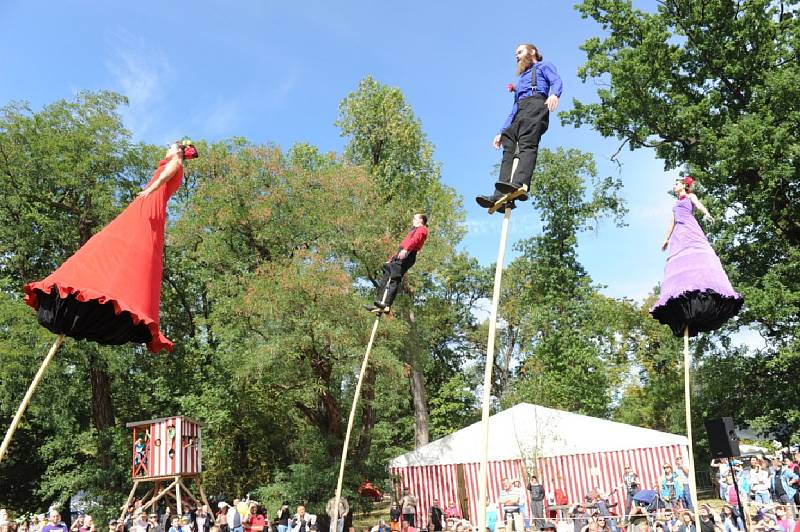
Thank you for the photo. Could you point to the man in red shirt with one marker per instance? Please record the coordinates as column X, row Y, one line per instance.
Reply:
column 396, row 267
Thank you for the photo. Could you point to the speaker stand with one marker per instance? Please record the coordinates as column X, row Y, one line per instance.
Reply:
column 742, row 514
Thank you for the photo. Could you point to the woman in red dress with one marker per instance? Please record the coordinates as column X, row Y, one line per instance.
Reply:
column 109, row 291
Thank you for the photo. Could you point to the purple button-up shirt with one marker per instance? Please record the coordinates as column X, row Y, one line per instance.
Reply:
column 547, row 82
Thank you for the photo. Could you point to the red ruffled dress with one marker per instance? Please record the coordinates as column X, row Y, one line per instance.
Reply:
column 109, row 291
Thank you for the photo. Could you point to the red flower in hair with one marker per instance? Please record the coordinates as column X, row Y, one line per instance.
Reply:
column 510, row 87
column 688, row 181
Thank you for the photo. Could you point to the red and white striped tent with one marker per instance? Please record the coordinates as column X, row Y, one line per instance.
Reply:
column 570, row 452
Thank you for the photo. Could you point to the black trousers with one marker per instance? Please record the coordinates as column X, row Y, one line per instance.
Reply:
column 529, row 124
column 393, row 272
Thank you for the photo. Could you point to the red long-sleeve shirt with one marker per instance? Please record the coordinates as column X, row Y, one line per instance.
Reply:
column 415, row 239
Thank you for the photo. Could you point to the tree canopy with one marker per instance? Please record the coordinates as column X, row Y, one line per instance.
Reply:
column 271, row 250
column 711, row 87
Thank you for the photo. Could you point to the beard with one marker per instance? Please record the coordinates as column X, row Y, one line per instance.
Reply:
column 524, row 63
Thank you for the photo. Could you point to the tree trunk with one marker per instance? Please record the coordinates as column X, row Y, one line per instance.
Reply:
column 368, row 415
column 503, row 370
column 418, row 392
column 102, row 403
column 102, row 407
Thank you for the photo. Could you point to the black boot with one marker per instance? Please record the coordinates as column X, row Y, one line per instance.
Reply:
column 508, row 188
column 489, row 201
column 387, row 295
column 510, row 206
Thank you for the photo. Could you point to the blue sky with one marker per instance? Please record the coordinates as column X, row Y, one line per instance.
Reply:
column 276, row 72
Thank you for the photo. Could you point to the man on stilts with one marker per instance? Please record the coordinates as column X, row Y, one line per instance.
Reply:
column 536, row 95
column 398, row 264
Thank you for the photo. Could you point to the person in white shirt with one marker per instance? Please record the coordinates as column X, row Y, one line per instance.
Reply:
column 759, row 481
column 302, row 521
column 682, row 474
column 409, row 507
column 722, row 471
column 139, row 523
column 510, row 499
column 234, row 518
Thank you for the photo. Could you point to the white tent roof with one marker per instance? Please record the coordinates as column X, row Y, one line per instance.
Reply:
column 527, row 430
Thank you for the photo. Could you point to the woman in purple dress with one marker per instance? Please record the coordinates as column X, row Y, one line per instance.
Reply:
column 695, row 293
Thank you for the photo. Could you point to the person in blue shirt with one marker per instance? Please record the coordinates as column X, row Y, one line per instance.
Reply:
column 783, row 483
column 536, row 95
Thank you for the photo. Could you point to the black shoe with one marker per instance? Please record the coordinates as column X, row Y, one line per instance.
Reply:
column 508, row 188
column 510, row 206
column 488, row 201
column 370, row 308
column 380, row 305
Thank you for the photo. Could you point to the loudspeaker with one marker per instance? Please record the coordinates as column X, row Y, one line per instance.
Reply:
column 722, row 438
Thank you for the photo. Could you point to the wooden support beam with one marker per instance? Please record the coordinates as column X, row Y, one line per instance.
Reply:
column 194, row 500
column 178, row 496
column 166, row 491
column 205, row 499
column 128, row 500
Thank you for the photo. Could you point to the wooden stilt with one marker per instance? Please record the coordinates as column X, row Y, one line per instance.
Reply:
column 27, row 399
column 487, row 375
column 338, row 496
column 687, row 395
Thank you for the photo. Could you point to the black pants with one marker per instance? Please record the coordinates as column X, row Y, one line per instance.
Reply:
column 393, row 272
column 529, row 124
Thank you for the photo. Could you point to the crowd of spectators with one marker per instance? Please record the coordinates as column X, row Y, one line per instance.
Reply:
column 762, row 494
column 769, row 491
column 241, row 516
column 759, row 493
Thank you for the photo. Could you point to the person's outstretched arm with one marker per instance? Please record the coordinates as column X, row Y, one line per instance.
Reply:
column 167, row 173
column 556, row 86
column 666, row 240
column 700, row 207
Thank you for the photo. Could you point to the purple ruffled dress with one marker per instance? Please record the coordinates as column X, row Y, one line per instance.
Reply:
column 695, row 292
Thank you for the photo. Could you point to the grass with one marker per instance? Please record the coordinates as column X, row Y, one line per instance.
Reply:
column 369, row 518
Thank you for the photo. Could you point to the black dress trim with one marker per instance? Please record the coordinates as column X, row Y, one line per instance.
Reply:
column 89, row 320
column 702, row 311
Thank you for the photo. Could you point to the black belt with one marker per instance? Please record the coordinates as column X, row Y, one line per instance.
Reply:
column 536, row 95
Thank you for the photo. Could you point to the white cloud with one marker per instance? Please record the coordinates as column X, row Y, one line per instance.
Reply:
column 522, row 225
column 143, row 74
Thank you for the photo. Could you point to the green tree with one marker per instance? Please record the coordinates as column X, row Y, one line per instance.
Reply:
column 67, row 169
column 652, row 395
column 713, row 85
column 560, row 330
column 387, row 140
column 454, row 407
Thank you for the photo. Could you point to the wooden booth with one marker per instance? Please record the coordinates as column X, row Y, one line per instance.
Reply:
column 167, row 453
